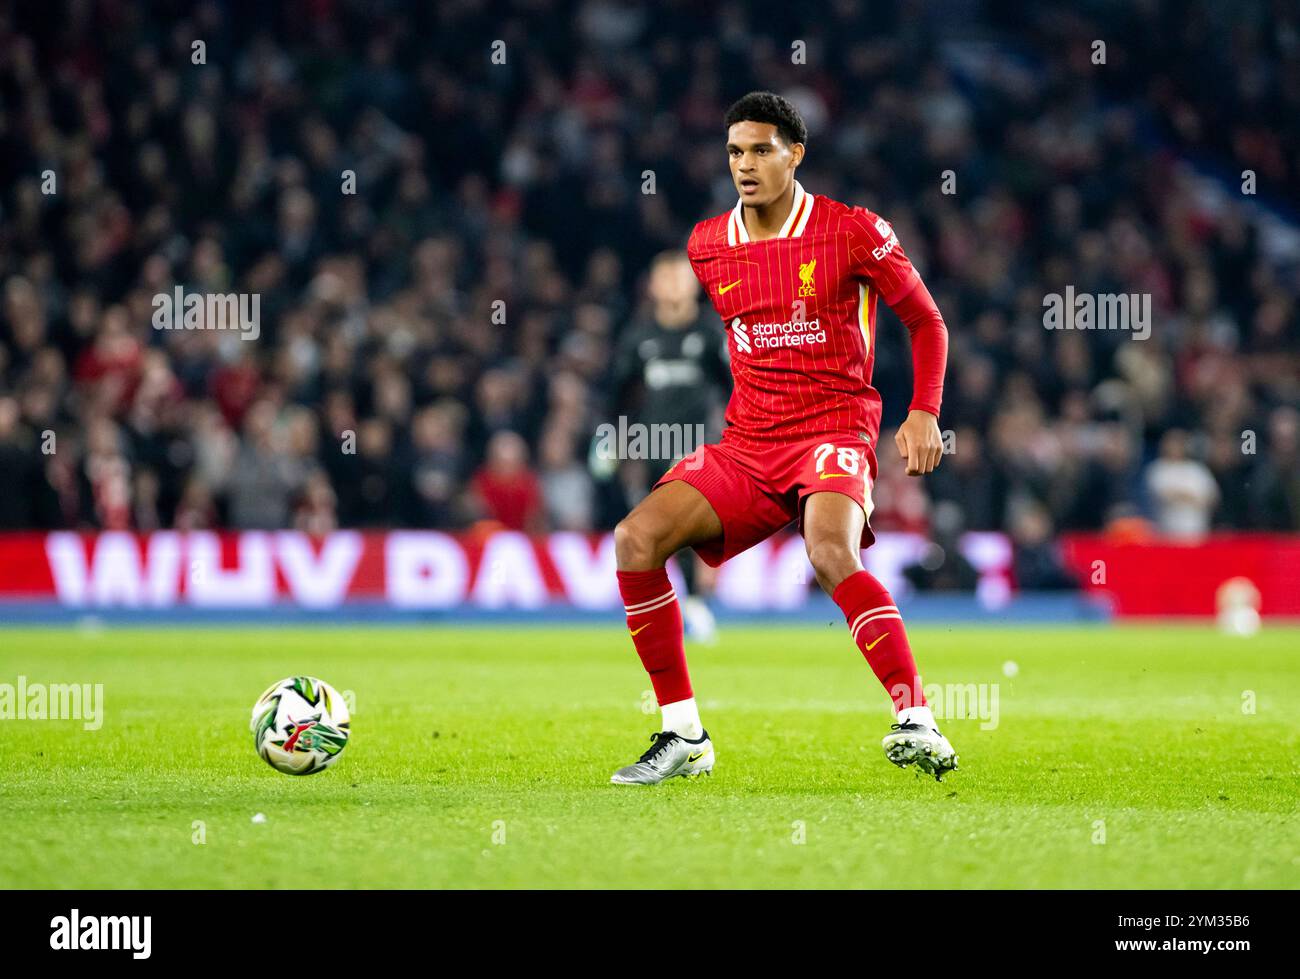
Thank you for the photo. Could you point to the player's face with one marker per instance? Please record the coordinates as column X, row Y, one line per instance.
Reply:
column 762, row 163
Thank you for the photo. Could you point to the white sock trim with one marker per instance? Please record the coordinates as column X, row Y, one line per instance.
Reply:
column 858, row 628
column 646, row 606
column 871, row 611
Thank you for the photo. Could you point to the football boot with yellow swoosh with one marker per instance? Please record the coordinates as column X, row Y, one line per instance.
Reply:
column 670, row 755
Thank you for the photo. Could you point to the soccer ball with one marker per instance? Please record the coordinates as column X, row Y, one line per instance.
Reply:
column 300, row 725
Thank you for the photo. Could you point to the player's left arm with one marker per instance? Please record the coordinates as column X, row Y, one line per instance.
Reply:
column 878, row 256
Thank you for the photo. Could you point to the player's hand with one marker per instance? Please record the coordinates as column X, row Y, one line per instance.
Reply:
column 919, row 442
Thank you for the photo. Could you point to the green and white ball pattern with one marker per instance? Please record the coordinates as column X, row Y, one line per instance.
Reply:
column 300, row 725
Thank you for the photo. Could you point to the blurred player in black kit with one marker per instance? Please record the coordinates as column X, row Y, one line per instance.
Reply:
column 671, row 371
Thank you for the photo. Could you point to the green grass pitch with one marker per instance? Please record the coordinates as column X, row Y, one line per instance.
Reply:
column 480, row 757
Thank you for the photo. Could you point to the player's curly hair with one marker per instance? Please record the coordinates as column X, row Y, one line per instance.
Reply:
column 770, row 108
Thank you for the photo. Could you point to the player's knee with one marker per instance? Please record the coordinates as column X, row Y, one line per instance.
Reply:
column 832, row 561
column 636, row 545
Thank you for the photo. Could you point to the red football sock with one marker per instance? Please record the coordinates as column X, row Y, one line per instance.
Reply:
column 877, row 628
column 655, row 620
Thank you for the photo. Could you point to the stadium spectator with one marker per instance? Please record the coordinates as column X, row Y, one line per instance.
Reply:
column 504, row 488
column 566, row 485
column 942, row 567
column 1183, row 488
column 1277, row 493
column 1037, row 563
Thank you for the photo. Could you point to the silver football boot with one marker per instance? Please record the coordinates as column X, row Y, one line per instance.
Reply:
column 669, row 755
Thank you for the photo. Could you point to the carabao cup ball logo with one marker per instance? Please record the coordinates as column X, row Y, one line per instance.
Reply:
column 300, row 725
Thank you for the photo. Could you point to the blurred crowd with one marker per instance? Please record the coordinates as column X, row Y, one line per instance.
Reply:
column 444, row 212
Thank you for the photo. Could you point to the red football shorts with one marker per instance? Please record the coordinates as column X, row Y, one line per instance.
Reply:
column 756, row 489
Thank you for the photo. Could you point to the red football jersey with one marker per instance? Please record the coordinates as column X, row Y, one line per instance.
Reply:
column 800, row 313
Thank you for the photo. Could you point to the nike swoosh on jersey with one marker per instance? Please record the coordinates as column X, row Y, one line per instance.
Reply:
column 722, row 290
